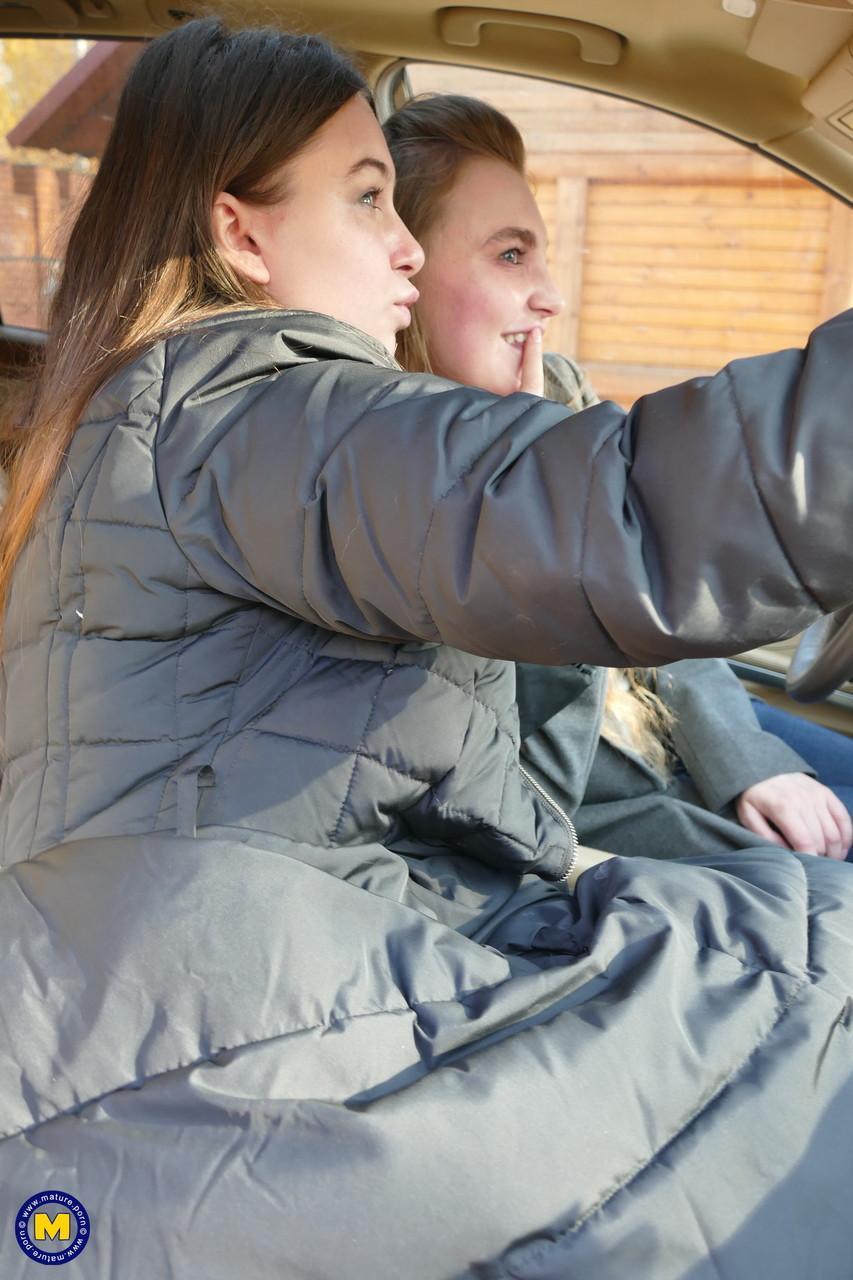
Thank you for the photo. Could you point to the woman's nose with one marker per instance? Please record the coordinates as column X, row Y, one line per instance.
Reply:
column 407, row 255
column 546, row 298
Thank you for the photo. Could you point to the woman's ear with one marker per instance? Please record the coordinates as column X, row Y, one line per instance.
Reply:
column 232, row 225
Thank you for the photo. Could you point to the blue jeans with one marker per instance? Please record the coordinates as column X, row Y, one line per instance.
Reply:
column 830, row 754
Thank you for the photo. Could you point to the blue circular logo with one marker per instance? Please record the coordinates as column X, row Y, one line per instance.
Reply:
column 52, row 1227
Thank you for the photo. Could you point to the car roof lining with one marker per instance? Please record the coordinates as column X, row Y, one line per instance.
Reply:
column 687, row 58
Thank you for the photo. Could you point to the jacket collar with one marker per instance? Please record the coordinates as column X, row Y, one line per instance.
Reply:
column 304, row 335
column 241, row 346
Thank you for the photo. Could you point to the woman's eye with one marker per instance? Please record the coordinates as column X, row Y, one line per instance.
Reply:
column 369, row 197
column 512, row 256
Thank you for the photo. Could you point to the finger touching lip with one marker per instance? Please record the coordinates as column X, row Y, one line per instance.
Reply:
column 516, row 337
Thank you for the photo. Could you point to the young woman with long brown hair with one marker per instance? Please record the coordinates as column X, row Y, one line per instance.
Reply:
column 262, row 812
column 613, row 744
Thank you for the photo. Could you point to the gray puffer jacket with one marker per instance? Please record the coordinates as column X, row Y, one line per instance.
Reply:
column 176, row 631
column 290, row 987
column 272, row 557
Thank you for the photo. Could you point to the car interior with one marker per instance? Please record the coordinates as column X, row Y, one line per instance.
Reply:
column 693, row 160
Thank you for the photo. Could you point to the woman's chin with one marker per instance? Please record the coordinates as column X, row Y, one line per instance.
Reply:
column 507, row 381
column 499, row 384
column 510, row 374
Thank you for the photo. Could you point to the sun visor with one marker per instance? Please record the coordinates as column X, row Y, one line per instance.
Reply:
column 800, row 36
column 829, row 98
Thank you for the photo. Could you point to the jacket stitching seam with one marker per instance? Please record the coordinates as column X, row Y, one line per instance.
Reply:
column 221, row 625
column 357, row 754
column 181, row 1065
column 437, row 675
column 122, row 524
column 76, row 634
column 710, row 1100
column 46, row 746
column 206, row 827
column 459, row 479
column 701, row 1108
column 310, row 613
column 113, row 742
column 188, row 565
column 419, row 575
column 250, row 726
column 146, row 416
column 95, row 475
column 582, row 550
column 361, row 752
column 56, row 519
column 730, row 383
column 225, row 735
column 315, row 652
column 181, row 648
column 184, row 1064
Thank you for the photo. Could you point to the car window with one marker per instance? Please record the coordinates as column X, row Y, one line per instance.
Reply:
column 56, row 107
column 675, row 248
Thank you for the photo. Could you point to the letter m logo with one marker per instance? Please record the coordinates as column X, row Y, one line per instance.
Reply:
column 58, row 1227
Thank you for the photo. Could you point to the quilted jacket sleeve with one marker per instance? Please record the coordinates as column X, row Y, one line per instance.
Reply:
column 707, row 520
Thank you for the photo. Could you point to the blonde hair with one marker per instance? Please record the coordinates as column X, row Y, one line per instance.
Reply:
column 430, row 138
column 636, row 719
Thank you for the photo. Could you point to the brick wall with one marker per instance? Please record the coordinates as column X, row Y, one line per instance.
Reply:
column 36, row 205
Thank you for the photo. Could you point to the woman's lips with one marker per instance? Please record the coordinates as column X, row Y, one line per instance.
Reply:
column 405, row 304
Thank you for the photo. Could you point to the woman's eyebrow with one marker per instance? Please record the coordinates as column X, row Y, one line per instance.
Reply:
column 370, row 162
column 526, row 237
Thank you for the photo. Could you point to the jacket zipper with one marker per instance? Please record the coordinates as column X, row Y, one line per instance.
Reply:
column 562, row 816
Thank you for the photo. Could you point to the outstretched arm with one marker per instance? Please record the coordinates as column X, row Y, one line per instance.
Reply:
column 706, row 520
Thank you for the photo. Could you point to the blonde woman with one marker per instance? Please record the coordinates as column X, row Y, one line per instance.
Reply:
column 662, row 763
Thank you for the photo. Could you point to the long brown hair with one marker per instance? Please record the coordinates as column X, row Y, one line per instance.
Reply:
column 205, row 109
column 430, row 138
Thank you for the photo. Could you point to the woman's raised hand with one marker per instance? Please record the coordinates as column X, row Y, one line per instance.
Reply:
column 532, row 376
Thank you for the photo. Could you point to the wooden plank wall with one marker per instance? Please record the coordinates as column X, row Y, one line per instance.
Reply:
column 678, row 276
column 675, row 248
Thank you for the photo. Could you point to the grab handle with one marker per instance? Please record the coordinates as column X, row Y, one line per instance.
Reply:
column 597, row 44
